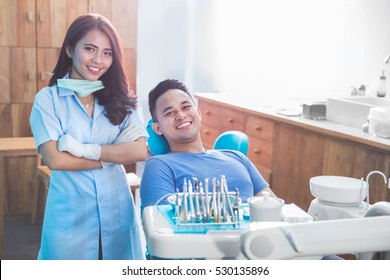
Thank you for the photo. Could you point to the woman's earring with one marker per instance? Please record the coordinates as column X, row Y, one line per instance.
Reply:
column 69, row 54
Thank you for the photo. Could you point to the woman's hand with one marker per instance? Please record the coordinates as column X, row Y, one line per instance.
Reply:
column 67, row 143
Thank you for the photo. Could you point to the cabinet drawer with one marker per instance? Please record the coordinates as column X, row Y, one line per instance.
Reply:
column 260, row 152
column 208, row 135
column 266, row 173
column 222, row 117
column 260, row 128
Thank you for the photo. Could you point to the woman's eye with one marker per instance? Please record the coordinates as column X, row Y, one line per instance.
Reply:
column 108, row 53
column 89, row 49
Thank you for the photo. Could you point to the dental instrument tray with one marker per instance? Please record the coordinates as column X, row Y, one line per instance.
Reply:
column 198, row 213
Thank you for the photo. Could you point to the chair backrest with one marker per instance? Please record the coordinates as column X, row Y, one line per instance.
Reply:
column 156, row 143
column 232, row 140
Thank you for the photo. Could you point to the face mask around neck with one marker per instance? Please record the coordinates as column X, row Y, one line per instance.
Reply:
column 82, row 88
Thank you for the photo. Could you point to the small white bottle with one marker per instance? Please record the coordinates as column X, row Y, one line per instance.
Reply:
column 381, row 91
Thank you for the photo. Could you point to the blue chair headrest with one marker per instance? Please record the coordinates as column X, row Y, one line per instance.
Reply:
column 157, row 144
column 233, row 140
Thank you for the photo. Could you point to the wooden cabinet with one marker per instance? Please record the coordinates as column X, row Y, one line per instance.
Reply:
column 218, row 118
column 17, row 23
column 31, row 35
column 298, row 157
column 288, row 153
column 18, row 160
column 346, row 158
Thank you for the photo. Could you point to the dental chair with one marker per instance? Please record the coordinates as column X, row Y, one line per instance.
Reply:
column 232, row 140
column 312, row 240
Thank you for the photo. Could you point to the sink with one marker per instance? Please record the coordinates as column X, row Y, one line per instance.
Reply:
column 352, row 110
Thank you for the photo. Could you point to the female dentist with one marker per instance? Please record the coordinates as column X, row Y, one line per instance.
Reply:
column 86, row 127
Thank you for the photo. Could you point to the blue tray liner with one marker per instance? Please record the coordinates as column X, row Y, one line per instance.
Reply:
column 200, row 228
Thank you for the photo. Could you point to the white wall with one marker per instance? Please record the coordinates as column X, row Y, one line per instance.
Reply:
column 290, row 48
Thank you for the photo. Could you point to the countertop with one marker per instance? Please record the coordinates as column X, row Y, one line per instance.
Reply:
column 274, row 109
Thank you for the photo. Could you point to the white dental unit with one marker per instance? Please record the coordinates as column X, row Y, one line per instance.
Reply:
column 331, row 228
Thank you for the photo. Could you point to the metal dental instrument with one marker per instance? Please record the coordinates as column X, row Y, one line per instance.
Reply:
column 207, row 203
column 191, row 202
column 177, row 207
column 198, row 214
column 198, row 200
column 214, row 199
column 202, row 203
column 229, row 204
column 236, row 207
column 184, row 204
column 218, row 217
column 224, row 217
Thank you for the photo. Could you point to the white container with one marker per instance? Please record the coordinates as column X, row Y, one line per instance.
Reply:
column 379, row 121
column 338, row 190
column 265, row 208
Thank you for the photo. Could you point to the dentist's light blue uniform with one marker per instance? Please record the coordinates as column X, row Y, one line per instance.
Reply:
column 80, row 204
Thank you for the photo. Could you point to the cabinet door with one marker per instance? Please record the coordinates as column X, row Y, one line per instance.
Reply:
column 54, row 18
column 298, row 156
column 345, row 158
column 17, row 23
column 123, row 15
column 23, row 74
column 47, row 59
column 209, row 134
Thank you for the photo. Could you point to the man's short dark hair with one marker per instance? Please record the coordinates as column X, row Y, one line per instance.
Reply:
column 160, row 89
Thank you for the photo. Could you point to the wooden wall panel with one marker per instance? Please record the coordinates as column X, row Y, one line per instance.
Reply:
column 130, row 57
column 5, row 92
column 18, row 190
column 20, row 120
column 5, row 120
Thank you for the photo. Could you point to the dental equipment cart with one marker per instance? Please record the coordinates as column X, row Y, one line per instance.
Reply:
column 297, row 237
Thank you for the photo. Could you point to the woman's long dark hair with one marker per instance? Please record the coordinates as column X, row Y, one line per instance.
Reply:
column 117, row 97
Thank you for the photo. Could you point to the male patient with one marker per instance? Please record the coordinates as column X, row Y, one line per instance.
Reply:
column 178, row 120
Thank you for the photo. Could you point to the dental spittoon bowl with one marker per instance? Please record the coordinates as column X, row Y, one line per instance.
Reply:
column 338, row 189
